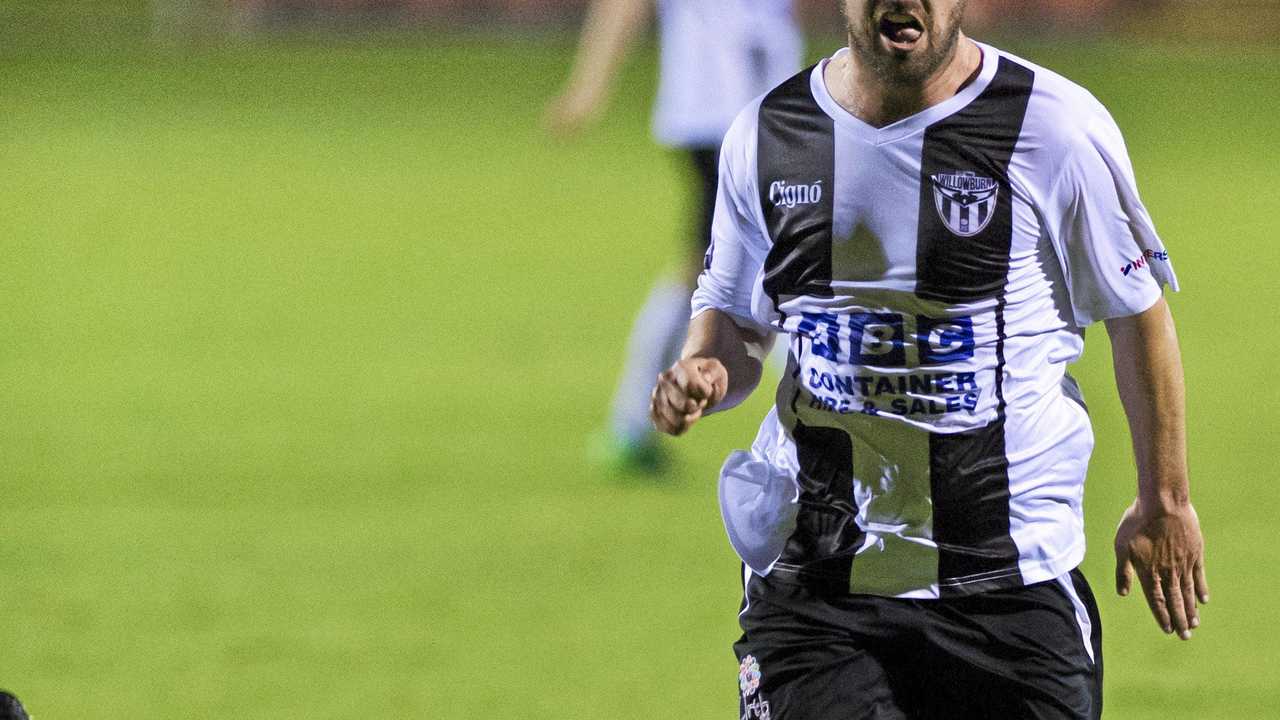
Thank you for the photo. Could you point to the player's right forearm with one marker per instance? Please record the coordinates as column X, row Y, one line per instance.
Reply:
column 713, row 334
column 1148, row 370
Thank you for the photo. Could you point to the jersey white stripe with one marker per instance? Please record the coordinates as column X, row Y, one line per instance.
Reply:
column 1082, row 613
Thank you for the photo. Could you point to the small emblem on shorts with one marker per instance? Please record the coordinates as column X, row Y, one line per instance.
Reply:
column 749, row 684
column 966, row 201
column 757, row 709
column 749, row 676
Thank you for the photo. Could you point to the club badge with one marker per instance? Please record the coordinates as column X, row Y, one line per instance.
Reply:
column 966, row 201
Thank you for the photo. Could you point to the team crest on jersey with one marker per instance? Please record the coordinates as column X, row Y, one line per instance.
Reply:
column 966, row 201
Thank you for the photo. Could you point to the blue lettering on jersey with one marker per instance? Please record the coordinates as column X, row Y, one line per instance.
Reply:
column 944, row 341
column 823, row 329
column 849, row 404
column 879, row 339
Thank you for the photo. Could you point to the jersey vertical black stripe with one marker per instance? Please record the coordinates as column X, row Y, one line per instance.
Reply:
column 796, row 149
column 969, row 471
column 820, row 551
column 796, row 176
column 979, row 139
column 969, row 485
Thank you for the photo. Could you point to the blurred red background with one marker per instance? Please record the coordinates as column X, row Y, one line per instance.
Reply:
column 1058, row 12
column 1188, row 21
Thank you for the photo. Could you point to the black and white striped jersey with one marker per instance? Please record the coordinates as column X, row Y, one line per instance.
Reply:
column 934, row 277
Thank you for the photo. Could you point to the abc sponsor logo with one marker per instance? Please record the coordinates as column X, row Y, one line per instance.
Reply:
column 883, row 339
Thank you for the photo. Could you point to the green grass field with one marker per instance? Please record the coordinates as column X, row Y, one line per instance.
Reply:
column 302, row 344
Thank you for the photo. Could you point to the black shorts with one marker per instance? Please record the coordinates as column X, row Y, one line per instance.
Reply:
column 1028, row 652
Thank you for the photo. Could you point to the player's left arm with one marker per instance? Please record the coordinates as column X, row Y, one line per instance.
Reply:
column 1159, row 536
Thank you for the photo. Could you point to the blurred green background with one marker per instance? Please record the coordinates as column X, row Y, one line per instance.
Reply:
column 304, row 337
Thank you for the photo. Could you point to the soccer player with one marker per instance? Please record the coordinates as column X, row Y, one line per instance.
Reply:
column 716, row 55
column 933, row 222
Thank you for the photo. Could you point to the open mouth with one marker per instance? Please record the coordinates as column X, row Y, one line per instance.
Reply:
column 901, row 30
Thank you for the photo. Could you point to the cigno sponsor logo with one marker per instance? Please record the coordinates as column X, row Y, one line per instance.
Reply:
column 784, row 194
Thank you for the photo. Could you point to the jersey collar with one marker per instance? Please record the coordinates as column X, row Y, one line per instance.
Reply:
column 909, row 125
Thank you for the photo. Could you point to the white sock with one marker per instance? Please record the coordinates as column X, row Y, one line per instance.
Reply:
column 656, row 338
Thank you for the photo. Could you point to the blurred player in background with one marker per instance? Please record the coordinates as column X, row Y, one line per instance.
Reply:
column 716, row 55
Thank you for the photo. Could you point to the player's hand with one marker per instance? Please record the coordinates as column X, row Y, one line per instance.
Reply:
column 1166, row 551
column 686, row 391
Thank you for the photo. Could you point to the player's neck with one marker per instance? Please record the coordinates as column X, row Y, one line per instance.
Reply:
column 870, row 98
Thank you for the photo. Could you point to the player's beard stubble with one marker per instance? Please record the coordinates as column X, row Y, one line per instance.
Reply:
column 941, row 20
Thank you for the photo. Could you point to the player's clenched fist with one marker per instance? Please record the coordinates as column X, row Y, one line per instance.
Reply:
column 685, row 391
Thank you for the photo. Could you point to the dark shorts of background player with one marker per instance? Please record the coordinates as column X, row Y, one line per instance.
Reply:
column 706, row 166
column 1009, row 654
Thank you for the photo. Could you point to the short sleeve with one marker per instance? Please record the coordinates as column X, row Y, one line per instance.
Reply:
column 736, row 254
column 1114, row 261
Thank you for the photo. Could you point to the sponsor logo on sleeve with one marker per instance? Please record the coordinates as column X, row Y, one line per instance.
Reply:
column 966, row 201
column 1142, row 260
